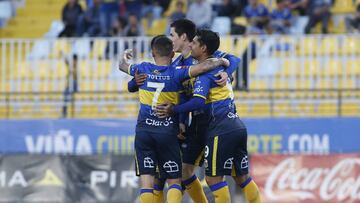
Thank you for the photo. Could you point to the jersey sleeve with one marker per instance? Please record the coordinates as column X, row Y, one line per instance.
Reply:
column 202, row 86
column 135, row 67
column 132, row 86
column 234, row 64
column 234, row 61
column 182, row 73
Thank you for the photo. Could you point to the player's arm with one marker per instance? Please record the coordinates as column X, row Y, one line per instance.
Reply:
column 207, row 65
column 136, row 82
column 201, row 90
column 234, row 63
column 132, row 87
column 166, row 110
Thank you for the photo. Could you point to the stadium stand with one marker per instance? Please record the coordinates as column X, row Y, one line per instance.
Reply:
column 292, row 75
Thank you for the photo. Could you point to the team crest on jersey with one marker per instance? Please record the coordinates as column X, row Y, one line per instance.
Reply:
column 156, row 72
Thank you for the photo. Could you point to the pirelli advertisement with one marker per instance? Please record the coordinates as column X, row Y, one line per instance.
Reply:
column 51, row 178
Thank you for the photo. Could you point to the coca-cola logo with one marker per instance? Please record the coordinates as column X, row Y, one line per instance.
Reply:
column 337, row 183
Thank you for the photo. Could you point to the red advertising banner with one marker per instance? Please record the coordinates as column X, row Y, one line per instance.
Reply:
column 307, row 178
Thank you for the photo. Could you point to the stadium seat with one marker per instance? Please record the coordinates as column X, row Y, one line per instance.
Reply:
column 350, row 108
column 343, row 6
column 241, row 45
column 347, row 83
column 330, row 45
column 158, row 27
column 253, row 110
column 88, row 85
column 60, row 48
column 98, row 48
column 290, row 67
column 240, row 20
column 81, row 48
column 311, row 67
column 333, row 68
column 227, row 44
column 326, row 109
column 352, row 67
column 87, row 111
column 350, row 45
column 308, row 46
column 85, row 69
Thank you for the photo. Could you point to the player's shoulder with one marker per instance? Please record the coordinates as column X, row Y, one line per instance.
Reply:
column 219, row 54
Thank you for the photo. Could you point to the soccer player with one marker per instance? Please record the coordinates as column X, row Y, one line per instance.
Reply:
column 181, row 33
column 155, row 140
column 226, row 144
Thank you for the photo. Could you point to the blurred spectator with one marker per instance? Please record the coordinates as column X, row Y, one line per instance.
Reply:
column 353, row 23
column 134, row 7
column 89, row 3
column 173, row 7
column 117, row 30
column 280, row 18
column 240, row 7
column 257, row 17
column 118, row 26
column 227, row 8
column 200, row 13
column 134, row 28
column 318, row 11
column 151, row 9
column 122, row 8
column 179, row 12
column 70, row 16
column 299, row 6
column 109, row 12
column 71, row 83
column 90, row 22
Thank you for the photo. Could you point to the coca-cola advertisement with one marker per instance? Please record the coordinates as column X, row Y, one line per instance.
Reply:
column 307, row 178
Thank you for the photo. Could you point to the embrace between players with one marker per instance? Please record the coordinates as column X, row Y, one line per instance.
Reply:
column 188, row 100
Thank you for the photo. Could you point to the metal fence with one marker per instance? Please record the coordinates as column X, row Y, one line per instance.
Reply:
column 80, row 73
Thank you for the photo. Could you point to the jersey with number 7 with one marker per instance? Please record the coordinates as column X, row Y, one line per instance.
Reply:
column 163, row 84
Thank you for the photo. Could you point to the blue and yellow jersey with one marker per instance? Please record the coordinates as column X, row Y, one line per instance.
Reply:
column 188, row 61
column 163, row 84
column 219, row 101
column 188, row 85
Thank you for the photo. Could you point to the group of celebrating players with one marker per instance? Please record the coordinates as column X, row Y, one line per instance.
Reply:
column 188, row 118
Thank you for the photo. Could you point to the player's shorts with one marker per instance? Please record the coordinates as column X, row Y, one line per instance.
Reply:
column 194, row 146
column 226, row 154
column 160, row 149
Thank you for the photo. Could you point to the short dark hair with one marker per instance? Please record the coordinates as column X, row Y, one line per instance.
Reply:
column 210, row 39
column 162, row 45
column 186, row 26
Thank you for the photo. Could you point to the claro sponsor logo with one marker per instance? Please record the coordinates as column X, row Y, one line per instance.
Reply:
column 336, row 184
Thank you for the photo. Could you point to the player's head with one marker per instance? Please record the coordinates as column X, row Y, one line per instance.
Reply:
column 205, row 43
column 162, row 46
column 182, row 31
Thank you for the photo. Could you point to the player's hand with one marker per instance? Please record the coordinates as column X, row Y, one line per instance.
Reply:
column 128, row 54
column 181, row 135
column 140, row 78
column 164, row 110
column 223, row 78
column 225, row 62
